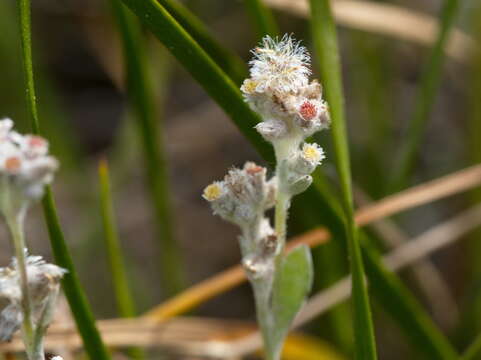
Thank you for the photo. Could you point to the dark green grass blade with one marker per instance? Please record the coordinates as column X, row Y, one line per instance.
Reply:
column 425, row 98
column 403, row 307
column 188, row 52
column 227, row 61
column 325, row 38
column 471, row 324
column 78, row 303
column 142, row 101
column 71, row 284
column 26, row 42
column 326, row 207
column 473, row 352
column 262, row 18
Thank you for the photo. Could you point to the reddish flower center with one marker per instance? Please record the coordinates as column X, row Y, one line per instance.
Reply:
column 254, row 169
column 36, row 141
column 308, row 110
column 12, row 164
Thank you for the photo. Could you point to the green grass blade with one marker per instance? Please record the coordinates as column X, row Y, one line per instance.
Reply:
column 123, row 294
column 425, row 98
column 207, row 73
column 142, row 101
column 227, row 61
column 325, row 39
column 262, row 18
column 71, row 285
column 26, row 42
column 403, row 307
column 473, row 352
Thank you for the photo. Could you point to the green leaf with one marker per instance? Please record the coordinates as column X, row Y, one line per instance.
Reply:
column 291, row 287
column 325, row 39
column 209, row 75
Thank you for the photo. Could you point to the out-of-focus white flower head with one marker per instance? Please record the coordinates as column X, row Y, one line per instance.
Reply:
column 43, row 280
column 25, row 166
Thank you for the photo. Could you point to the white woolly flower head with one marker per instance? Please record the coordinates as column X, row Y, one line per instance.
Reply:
column 291, row 107
column 279, row 66
column 25, row 166
column 43, row 283
column 242, row 194
column 312, row 153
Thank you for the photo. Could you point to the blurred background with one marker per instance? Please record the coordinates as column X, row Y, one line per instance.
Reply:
column 85, row 115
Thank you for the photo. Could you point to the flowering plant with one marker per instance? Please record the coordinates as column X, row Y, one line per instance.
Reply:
column 29, row 285
column 291, row 109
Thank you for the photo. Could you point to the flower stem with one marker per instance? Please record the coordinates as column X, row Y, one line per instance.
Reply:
column 15, row 224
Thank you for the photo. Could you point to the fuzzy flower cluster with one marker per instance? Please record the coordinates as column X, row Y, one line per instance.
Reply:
column 25, row 166
column 290, row 106
column 279, row 90
column 43, row 287
column 242, row 198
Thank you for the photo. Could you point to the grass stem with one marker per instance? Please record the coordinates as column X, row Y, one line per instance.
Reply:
column 71, row 284
column 325, row 39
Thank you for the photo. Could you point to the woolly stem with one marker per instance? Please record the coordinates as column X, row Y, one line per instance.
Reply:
column 15, row 224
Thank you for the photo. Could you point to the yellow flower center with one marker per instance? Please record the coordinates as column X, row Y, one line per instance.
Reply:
column 212, row 192
column 249, row 86
column 311, row 153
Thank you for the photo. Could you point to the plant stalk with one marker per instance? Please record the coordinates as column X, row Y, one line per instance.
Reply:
column 15, row 225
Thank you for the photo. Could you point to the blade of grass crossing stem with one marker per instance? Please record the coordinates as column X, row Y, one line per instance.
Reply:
column 163, row 26
column 123, row 294
column 325, row 38
column 207, row 73
column 425, row 98
column 71, row 285
column 141, row 97
column 262, row 18
column 227, row 61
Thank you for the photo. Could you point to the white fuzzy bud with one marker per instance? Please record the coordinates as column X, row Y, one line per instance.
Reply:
column 43, row 281
column 300, row 185
column 25, row 166
column 308, row 158
column 242, row 195
column 10, row 321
